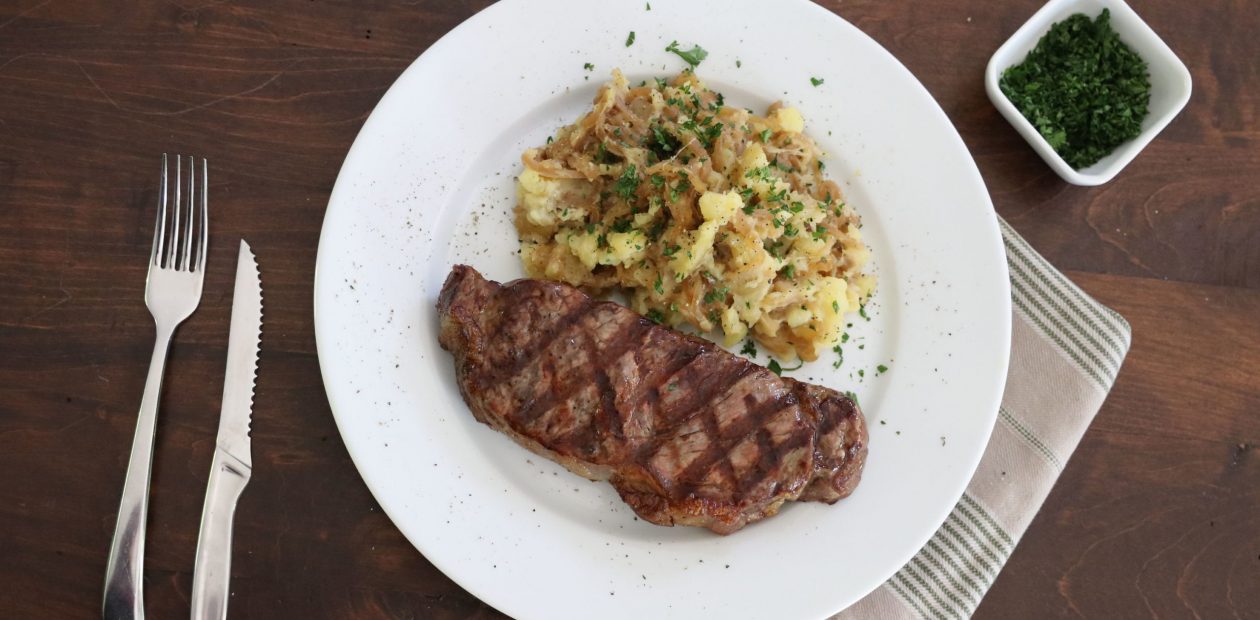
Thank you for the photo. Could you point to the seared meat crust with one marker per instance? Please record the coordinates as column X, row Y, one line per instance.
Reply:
column 685, row 431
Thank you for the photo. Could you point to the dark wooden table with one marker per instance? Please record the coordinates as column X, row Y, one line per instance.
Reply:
column 1158, row 513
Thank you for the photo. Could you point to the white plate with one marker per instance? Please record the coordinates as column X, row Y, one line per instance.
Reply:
column 429, row 182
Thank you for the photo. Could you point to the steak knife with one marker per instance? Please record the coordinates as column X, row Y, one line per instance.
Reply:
column 233, row 464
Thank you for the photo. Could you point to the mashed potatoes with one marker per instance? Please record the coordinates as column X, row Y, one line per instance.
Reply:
column 702, row 213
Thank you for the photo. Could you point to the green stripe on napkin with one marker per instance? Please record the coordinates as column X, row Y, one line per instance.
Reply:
column 1066, row 350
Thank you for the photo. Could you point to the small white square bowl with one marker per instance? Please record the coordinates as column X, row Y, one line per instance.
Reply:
column 1170, row 83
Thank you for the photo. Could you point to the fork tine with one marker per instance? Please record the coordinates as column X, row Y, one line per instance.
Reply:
column 185, row 263
column 172, row 250
column 205, row 217
column 156, row 253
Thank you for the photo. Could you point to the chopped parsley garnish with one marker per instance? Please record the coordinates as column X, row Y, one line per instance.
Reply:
column 628, row 183
column 779, row 370
column 705, row 130
column 1084, row 90
column 835, row 306
column 693, row 56
column 663, row 144
column 789, row 230
column 655, row 231
column 738, row 64
column 820, row 232
column 853, row 397
column 649, row 6
column 816, row 81
column 765, row 135
column 602, row 155
column 716, row 295
column 622, row 225
column 630, row 39
column 660, row 290
column 670, row 250
column 750, row 349
column 774, row 248
column 788, row 271
column 762, row 173
column 861, row 372
column 881, row 369
column 590, row 229
column 658, row 180
column 862, row 312
column 710, row 133
column 682, row 186
column 655, row 316
column 839, row 356
column 588, row 66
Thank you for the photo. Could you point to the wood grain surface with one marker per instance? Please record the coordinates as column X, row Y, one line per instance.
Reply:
column 1157, row 514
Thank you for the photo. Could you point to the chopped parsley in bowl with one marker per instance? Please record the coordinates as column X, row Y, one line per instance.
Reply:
column 1082, row 88
column 1087, row 89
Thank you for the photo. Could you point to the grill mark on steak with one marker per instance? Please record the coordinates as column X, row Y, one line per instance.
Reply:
column 767, row 454
column 623, row 340
column 693, row 388
column 646, row 395
column 698, row 468
column 717, row 453
column 527, row 354
column 770, row 452
column 686, row 432
column 613, row 422
column 679, row 414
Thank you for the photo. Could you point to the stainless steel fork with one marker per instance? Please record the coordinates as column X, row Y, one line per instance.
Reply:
column 177, row 268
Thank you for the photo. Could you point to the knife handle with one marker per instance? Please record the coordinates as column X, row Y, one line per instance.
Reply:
column 213, row 569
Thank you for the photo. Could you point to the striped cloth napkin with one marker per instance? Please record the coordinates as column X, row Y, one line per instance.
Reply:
column 1066, row 349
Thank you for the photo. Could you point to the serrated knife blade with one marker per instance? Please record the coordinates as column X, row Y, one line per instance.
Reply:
column 242, row 359
column 232, row 466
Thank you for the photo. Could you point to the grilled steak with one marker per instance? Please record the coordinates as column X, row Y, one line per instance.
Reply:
column 686, row 432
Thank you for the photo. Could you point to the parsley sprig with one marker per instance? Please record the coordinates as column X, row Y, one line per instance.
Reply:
column 628, row 183
column 693, row 56
column 778, row 369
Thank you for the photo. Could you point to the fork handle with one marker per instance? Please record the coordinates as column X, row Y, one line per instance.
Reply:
column 124, row 575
